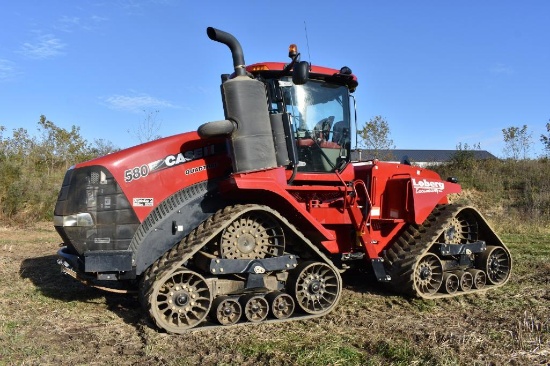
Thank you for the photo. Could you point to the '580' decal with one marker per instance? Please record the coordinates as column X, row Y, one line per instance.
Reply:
column 136, row 173
column 173, row 160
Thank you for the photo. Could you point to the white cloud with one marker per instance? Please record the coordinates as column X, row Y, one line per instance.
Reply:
column 45, row 46
column 130, row 4
column 136, row 103
column 7, row 69
column 502, row 69
column 67, row 24
column 98, row 19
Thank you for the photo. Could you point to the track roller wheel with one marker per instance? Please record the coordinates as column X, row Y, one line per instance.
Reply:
column 180, row 300
column 451, row 283
column 316, row 287
column 428, row 274
column 479, row 278
column 226, row 310
column 281, row 304
column 465, row 280
column 255, row 307
column 496, row 263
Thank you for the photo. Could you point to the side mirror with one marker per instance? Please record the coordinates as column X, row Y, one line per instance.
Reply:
column 300, row 73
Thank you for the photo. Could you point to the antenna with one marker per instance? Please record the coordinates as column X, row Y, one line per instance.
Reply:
column 307, row 43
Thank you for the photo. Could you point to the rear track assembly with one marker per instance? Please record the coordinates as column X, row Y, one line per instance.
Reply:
column 452, row 253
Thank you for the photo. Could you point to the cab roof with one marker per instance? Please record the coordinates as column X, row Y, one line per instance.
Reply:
column 316, row 72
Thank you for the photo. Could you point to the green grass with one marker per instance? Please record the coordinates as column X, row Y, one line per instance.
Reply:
column 303, row 346
column 404, row 353
column 46, row 318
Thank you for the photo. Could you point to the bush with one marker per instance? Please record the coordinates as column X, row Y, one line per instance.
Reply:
column 516, row 193
column 32, row 168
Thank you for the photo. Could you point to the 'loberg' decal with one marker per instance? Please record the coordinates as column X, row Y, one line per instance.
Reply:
column 426, row 186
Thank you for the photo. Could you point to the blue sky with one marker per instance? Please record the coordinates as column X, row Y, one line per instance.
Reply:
column 440, row 72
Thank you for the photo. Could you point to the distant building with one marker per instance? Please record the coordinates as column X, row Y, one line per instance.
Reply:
column 418, row 157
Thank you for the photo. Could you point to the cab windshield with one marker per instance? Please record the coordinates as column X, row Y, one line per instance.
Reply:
column 320, row 116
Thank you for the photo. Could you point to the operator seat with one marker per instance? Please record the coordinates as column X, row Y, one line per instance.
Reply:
column 338, row 132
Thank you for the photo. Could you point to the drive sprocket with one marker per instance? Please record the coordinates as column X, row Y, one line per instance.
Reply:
column 254, row 235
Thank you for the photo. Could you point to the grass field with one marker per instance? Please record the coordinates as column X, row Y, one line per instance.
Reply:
column 47, row 318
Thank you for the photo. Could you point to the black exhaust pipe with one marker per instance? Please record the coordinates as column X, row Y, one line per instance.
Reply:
column 247, row 124
column 234, row 45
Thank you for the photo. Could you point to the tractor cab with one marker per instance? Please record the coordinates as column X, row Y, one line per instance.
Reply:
column 320, row 118
column 315, row 106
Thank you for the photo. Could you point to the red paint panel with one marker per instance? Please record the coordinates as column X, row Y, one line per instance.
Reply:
column 157, row 169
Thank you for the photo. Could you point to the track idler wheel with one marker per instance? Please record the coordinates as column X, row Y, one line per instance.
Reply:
column 255, row 307
column 281, row 304
column 479, row 278
column 226, row 310
column 496, row 263
column 451, row 283
column 428, row 274
column 180, row 300
column 316, row 287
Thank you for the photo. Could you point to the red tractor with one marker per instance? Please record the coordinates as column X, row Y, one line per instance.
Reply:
column 254, row 218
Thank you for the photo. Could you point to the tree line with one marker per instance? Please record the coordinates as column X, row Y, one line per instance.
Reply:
column 514, row 192
column 32, row 167
column 375, row 134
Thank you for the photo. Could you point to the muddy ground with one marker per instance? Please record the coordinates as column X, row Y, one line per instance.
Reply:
column 47, row 318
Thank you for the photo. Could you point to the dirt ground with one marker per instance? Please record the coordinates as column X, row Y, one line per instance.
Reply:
column 47, row 318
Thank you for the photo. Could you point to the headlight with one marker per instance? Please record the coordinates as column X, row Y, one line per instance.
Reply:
column 80, row 219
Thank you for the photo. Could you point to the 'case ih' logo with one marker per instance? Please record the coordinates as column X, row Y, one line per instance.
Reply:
column 202, row 152
column 426, row 186
column 173, row 160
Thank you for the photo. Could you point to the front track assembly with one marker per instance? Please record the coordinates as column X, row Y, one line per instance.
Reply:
column 245, row 264
column 452, row 253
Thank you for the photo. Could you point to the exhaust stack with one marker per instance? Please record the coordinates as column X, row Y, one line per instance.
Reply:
column 234, row 45
column 247, row 123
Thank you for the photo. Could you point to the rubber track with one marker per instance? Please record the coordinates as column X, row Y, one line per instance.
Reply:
column 176, row 258
column 402, row 256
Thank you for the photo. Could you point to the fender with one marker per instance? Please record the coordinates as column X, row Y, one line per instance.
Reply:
column 427, row 193
column 172, row 220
